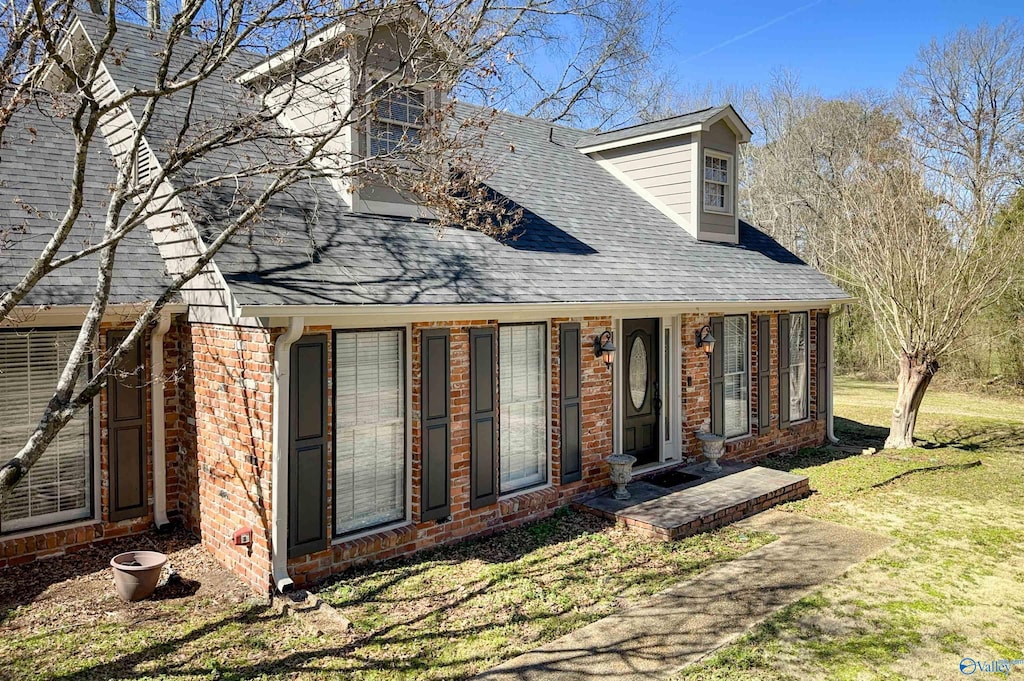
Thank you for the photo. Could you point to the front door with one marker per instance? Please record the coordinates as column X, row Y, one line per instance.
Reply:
column 641, row 397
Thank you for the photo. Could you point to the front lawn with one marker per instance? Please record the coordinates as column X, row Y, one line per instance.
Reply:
column 949, row 588
column 445, row 614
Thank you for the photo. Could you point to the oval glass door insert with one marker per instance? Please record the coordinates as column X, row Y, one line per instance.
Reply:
column 638, row 372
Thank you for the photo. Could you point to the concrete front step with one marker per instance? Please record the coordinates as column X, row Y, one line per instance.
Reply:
column 702, row 505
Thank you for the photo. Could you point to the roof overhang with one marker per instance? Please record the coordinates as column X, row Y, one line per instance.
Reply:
column 536, row 311
column 30, row 316
column 727, row 115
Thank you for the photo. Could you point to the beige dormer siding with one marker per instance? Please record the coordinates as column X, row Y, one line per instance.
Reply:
column 661, row 169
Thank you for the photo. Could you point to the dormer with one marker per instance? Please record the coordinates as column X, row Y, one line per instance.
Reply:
column 685, row 166
column 316, row 81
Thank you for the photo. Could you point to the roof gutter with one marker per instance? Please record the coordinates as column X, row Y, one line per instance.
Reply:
column 421, row 312
column 279, row 465
column 156, row 368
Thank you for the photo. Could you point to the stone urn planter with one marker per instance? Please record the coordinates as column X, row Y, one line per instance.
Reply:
column 136, row 573
column 622, row 472
column 712, row 447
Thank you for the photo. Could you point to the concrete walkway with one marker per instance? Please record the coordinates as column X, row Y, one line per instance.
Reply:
column 687, row 621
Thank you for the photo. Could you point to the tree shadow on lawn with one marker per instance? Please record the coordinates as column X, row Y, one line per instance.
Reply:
column 453, row 622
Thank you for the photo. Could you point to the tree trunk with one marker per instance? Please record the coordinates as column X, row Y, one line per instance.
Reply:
column 915, row 375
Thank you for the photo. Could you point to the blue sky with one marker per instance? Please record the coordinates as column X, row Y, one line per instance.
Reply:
column 834, row 45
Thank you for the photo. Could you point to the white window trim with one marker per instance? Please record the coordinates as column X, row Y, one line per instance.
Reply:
column 549, row 479
column 729, row 184
column 750, row 415
column 807, row 366
column 345, row 538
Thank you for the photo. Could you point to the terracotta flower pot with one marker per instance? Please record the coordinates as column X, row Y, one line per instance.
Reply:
column 136, row 573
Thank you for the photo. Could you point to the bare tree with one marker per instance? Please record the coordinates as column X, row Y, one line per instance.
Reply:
column 180, row 147
column 897, row 200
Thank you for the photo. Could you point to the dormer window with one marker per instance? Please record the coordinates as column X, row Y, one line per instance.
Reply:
column 397, row 121
column 717, row 182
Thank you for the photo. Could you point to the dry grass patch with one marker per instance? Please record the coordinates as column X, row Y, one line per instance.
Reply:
column 445, row 614
column 948, row 588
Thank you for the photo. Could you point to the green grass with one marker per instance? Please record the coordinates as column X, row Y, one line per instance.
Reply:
column 449, row 613
column 948, row 587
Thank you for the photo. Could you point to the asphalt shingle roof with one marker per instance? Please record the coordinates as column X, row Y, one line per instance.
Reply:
column 35, row 179
column 585, row 236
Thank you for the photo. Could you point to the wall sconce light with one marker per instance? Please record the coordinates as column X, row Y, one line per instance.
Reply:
column 603, row 346
column 705, row 340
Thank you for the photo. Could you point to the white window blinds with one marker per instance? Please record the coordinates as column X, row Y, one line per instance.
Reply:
column 736, row 358
column 397, row 123
column 798, row 366
column 58, row 487
column 522, row 380
column 369, row 417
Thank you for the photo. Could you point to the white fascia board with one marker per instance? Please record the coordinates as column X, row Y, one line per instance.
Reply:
column 640, row 139
column 347, row 314
column 27, row 317
column 733, row 120
column 290, row 54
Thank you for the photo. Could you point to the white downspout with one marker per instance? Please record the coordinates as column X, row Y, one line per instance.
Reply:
column 279, row 466
column 156, row 369
column 829, row 432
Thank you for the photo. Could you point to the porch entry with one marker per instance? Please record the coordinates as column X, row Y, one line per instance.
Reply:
column 641, row 391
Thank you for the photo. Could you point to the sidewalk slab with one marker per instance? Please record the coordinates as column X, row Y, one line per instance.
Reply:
column 687, row 621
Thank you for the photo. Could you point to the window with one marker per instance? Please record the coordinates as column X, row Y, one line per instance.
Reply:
column 398, row 117
column 58, row 488
column 798, row 393
column 522, row 389
column 369, row 427
column 736, row 360
column 717, row 182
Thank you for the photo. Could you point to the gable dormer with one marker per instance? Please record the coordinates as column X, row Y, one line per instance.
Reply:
column 685, row 166
column 367, row 64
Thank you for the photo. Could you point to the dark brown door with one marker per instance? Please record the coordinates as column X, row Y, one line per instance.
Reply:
column 641, row 398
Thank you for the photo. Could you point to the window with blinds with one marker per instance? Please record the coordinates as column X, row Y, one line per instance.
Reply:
column 369, row 423
column 736, row 360
column 58, row 488
column 798, row 393
column 522, row 388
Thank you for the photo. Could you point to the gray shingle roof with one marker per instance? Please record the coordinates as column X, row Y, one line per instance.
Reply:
column 35, row 177
column 680, row 121
column 585, row 236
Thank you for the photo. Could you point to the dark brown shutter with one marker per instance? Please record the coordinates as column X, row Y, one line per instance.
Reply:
column 822, row 386
column 307, row 451
column 764, row 372
column 570, row 418
column 483, row 417
column 435, row 482
column 783, row 370
column 718, row 376
column 126, row 399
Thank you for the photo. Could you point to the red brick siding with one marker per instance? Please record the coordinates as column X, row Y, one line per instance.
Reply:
column 466, row 522
column 232, row 387
column 696, row 391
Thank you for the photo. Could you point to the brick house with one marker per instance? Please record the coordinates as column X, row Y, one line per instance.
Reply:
column 395, row 391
